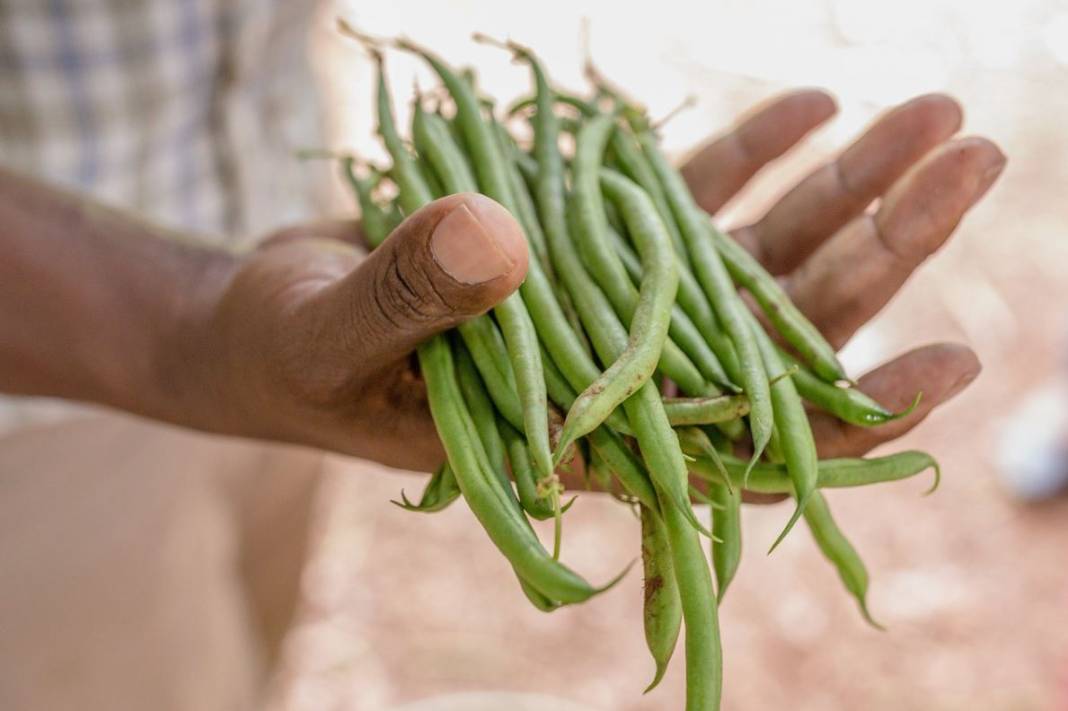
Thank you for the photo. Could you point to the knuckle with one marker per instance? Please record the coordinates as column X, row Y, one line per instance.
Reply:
column 407, row 292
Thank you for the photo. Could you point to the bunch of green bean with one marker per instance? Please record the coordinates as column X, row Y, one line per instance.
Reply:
column 630, row 285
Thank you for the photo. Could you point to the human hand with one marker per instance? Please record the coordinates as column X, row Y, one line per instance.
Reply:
column 840, row 263
column 306, row 343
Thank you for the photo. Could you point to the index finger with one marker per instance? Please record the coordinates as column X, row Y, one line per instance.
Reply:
column 719, row 170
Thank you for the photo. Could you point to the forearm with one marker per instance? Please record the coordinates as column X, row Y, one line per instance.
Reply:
column 96, row 305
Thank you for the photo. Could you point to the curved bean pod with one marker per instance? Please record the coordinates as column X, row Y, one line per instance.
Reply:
column 661, row 608
column 847, row 404
column 788, row 320
column 516, row 541
column 768, row 478
column 716, row 282
column 525, row 481
column 836, row 548
column 438, row 493
column 727, row 528
column 795, row 443
column 649, row 325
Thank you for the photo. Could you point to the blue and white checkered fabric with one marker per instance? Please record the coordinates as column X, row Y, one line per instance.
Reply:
column 187, row 111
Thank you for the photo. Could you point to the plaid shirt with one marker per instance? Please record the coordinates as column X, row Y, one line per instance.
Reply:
column 185, row 111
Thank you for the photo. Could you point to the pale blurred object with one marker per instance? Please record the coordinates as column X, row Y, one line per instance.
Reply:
column 1033, row 447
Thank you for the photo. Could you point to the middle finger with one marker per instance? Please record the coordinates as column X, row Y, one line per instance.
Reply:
column 855, row 273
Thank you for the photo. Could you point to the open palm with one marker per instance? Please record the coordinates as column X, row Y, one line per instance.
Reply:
column 840, row 262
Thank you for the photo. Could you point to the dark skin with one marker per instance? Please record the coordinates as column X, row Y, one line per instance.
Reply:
column 304, row 340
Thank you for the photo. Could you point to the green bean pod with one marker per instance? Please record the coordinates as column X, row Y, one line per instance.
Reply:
column 766, row 478
column 685, row 332
column 727, row 527
column 481, row 335
column 373, row 220
column 480, row 488
column 645, row 410
column 649, row 325
column 480, row 407
column 661, row 608
column 606, row 267
column 704, row 652
column 413, row 191
column 795, row 442
column 487, row 348
column 836, row 548
column 637, row 168
column 776, row 305
column 847, row 404
column 714, row 279
column 434, row 141
column 691, row 297
column 683, row 411
column 525, row 212
column 525, row 481
column 625, row 465
column 438, row 493
column 538, row 600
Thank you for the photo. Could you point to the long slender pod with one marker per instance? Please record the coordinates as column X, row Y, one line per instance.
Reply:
column 649, row 325
column 661, row 607
column 604, row 264
column 788, row 320
column 795, row 441
column 714, row 279
column 727, row 528
column 836, row 548
column 766, row 478
column 457, row 431
column 847, row 404
column 480, row 407
column 704, row 652
column 500, row 518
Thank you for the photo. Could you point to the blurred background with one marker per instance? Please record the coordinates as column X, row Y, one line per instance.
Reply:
column 971, row 584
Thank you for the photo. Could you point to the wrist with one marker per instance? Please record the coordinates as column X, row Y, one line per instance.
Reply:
column 188, row 355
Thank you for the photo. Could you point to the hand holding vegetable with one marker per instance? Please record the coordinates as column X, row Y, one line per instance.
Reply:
column 304, row 340
column 841, row 265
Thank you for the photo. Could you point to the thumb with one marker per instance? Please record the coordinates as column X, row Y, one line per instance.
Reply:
column 453, row 259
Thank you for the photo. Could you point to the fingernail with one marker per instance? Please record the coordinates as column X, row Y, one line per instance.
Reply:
column 963, row 381
column 991, row 174
column 469, row 243
column 995, row 170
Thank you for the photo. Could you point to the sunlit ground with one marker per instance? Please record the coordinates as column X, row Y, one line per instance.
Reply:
column 972, row 588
